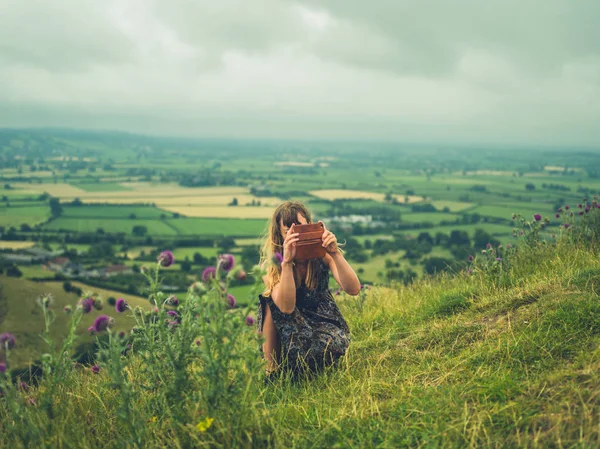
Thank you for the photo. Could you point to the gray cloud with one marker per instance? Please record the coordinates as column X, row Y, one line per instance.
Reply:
column 430, row 70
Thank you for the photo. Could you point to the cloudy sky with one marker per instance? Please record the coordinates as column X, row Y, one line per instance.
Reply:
column 523, row 71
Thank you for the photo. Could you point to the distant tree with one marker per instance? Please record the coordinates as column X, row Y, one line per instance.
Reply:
column 132, row 216
column 226, row 243
column 234, row 202
column 186, row 265
column 250, row 255
column 14, row 271
column 432, row 265
column 139, row 230
column 25, row 228
column 199, row 259
column 530, row 187
column 55, row 207
column 76, row 202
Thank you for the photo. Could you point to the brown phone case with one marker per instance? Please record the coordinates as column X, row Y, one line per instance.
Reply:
column 310, row 243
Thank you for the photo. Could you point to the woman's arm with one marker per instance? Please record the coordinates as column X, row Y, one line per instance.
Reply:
column 343, row 273
column 284, row 293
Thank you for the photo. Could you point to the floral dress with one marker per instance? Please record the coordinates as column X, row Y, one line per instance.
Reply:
column 315, row 334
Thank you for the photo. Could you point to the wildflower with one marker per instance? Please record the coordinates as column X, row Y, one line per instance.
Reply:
column 173, row 323
column 499, row 259
column 483, row 251
column 537, row 217
column 560, row 209
column 514, row 216
column 92, row 330
column 521, row 232
column 45, row 301
column 226, row 262
column 580, row 212
column 338, row 293
column 102, row 323
column 231, row 302
column 204, row 425
column 166, row 259
column 598, row 205
column 155, row 310
column 587, row 210
column 2, row 367
column 470, row 258
column 173, row 301
column 68, row 309
column 508, row 245
column 567, row 225
column 557, row 215
column 469, row 271
column 249, row 321
column 567, row 207
column 121, row 305
column 362, row 286
column 579, row 206
column 86, row 305
column 122, row 334
column 23, row 386
column 31, row 401
column 198, row 288
column 277, row 258
column 488, row 246
column 172, row 313
column 240, row 275
column 95, row 369
column 197, row 342
column 154, row 419
column 7, row 340
column 209, row 273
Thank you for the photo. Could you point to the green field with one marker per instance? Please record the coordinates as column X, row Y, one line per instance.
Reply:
column 155, row 227
column 16, row 216
column 218, row 226
column 113, row 211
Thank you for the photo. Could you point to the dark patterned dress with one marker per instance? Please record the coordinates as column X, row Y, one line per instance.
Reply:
column 315, row 334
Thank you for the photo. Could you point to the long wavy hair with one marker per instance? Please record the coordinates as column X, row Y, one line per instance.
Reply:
column 286, row 212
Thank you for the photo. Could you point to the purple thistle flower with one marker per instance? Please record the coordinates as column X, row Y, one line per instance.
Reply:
column 488, row 246
column 514, row 216
column 7, row 340
column 31, row 401
column 470, row 258
column 362, row 286
column 166, row 259
column 172, row 313
column 226, row 262
column 231, row 302
column 567, row 207
column 537, row 217
column 86, row 304
column 173, row 323
column 95, row 369
column 557, row 215
column 277, row 258
column 173, row 301
column 92, row 330
column 580, row 212
column 579, row 206
column 2, row 367
column 567, row 225
column 560, row 209
column 598, row 205
column 122, row 334
column 121, row 305
column 249, row 321
column 499, row 259
column 338, row 293
column 587, row 210
column 68, row 309
column 209, row 273
column 23, row 386
column 101, row 323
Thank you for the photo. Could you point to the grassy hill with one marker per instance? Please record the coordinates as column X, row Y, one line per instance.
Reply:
column 505, row 358
column 21, row 315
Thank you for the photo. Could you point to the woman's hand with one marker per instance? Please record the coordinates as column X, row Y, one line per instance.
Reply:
column 289, row 245
column 329, row 240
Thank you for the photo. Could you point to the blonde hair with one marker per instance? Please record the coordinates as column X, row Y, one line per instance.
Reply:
column 286, row 212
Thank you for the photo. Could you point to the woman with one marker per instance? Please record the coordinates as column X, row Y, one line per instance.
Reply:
column 303, row 327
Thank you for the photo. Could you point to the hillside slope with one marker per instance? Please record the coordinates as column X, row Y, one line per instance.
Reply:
column 21, row 315
column 509, row 358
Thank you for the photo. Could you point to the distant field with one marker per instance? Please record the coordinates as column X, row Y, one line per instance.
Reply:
column 15, row 245
column 218, row 226
column 453, row 206
column 103, row 187
column 334, row 194
column 181, row 253
column 16, row 216
column 221, row 211
column 155, row 227
column 112, row 211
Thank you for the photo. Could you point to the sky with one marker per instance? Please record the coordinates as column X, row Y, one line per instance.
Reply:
column 514, row 71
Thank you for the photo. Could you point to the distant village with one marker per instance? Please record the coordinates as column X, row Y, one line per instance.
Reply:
column 54, row 261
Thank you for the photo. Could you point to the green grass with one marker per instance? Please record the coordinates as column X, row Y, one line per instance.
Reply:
column 155, row 227
column 451, row 361
column 218, row 226
column 102, row 187
column 113, row 211
column 16, row 216
column 22, row 315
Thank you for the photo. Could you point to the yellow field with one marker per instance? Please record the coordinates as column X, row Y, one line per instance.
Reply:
column 248, row 242
column 559, row 168
column 454, row 206
column 361, row 195
column 221, row 211
column 29, row 174
column 15, row 245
